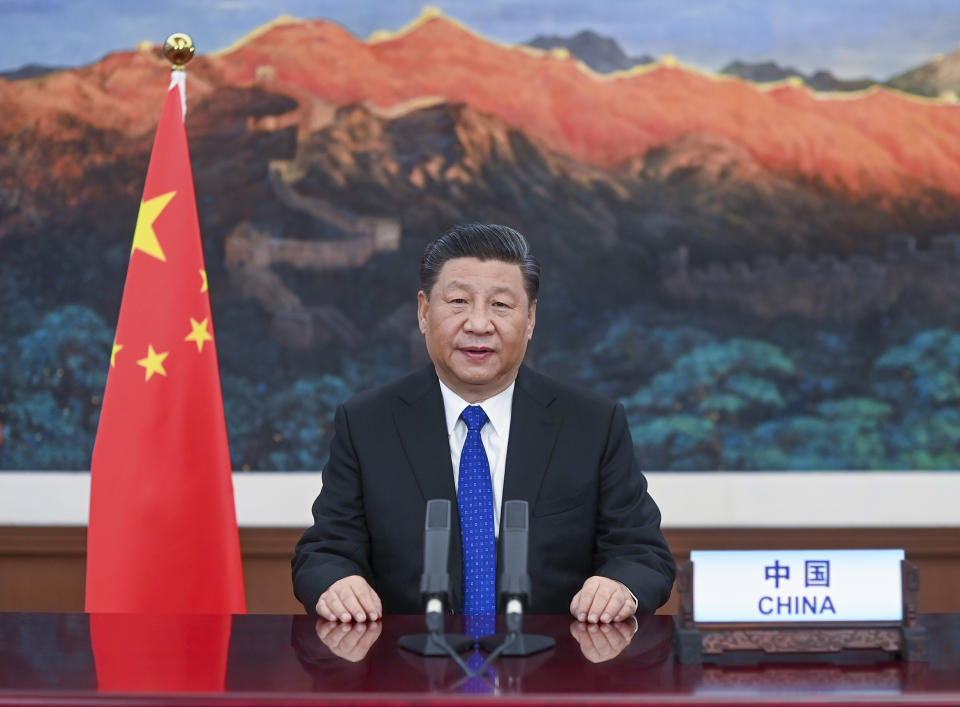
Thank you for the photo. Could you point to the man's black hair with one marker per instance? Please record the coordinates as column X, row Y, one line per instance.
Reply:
column 484, row 241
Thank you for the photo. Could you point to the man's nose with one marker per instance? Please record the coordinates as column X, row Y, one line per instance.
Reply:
column 478, row 320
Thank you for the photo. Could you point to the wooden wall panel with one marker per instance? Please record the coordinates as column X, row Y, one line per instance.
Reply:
column 42, row 568
column 266, row 569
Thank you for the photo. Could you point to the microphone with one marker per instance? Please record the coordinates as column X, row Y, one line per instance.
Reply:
column 514, row 581
column 435, row 580
column 435, row 586
column 515, row 586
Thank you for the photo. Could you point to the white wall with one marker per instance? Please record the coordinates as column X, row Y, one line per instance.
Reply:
column 687, row 500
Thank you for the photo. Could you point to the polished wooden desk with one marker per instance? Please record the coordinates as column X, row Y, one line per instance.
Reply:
column 75, row 659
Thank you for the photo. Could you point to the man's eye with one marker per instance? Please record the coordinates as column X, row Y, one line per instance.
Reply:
column 458, row 300
column 501, row 305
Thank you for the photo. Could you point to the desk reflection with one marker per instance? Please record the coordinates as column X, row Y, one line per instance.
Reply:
column 349, row 656
column 48, row 659
column 350, row 641
column 602, row 642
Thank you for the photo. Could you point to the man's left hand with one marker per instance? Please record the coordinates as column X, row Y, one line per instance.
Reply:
column 602, row 600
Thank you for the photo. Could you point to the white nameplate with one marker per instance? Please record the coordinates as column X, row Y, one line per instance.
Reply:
column 797, row 585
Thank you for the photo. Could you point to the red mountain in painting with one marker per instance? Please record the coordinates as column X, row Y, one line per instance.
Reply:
column 876, row 142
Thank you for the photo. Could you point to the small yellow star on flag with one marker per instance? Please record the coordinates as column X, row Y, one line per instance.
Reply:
column 199, row 333
column 153, row 362
column 144, row 237
column 113, row 354
column 203, row 275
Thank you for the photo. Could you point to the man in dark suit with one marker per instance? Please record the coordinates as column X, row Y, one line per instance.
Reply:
column 480, row 428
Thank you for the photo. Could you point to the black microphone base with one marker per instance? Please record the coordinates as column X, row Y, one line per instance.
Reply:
column 426, row 644
column 522, row 644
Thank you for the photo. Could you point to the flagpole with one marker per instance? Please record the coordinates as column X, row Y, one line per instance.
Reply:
column 179, row 50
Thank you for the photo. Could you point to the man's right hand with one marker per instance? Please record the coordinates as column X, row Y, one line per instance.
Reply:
column 350, row 599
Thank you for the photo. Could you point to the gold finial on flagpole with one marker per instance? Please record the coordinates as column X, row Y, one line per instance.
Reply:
column 179, row 49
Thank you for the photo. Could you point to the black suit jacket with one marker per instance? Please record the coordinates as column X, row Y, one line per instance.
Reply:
column 570, row 456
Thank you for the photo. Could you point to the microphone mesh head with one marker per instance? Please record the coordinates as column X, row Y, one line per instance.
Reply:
column 438, row 513
column 515, row 515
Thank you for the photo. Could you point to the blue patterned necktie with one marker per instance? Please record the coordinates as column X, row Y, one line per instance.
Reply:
column 475, row 503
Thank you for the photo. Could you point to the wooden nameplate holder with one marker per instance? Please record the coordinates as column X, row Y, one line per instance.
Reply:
column 837, row 642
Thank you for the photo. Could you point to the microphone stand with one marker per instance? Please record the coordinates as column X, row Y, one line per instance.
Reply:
column 515, row 642
column 436, row 641
column 515, row 588
column 434, row 587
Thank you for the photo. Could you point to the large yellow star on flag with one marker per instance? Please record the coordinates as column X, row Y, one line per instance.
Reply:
column 144, row 237
column 153, row 362
column 199, row 333
column 113, row 354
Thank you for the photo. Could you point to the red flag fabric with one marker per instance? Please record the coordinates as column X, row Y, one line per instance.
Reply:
column 160, row 653
column 163, row 532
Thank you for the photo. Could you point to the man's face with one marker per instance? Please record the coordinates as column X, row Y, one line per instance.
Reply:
column 477, row 322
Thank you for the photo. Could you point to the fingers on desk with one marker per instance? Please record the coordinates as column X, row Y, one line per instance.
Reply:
column 350, row 599
column 602, row 600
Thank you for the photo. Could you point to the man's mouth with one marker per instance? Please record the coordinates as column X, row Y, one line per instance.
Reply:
column 476, row 353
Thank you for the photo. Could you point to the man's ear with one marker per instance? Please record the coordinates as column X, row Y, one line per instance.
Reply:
column 531, row 319
column 423, row 305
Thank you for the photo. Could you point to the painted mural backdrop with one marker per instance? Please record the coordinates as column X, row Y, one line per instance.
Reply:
column 763, row 265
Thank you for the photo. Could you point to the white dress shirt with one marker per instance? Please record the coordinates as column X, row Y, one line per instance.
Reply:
column 494, row 435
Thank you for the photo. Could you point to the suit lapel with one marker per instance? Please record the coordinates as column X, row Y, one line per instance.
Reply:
column 534, row 426
column 421, row 425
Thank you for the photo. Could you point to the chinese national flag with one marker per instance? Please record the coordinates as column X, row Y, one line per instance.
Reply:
column 163, row 532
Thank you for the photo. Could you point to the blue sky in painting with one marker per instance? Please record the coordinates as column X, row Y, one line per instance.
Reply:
column 852, row 38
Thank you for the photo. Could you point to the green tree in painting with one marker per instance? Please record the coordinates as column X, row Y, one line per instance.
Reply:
column 56, row 374
column 681, row 418
column 922, row 378
column 629, row 350
column 300, row 422
column 925, row 372
column 846, row 433
column 288, row 425
column 911, row 422
column 287, row 430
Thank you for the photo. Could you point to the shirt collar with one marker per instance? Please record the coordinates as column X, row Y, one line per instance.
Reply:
column 498, row 408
